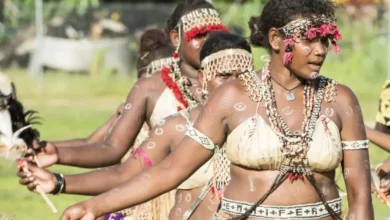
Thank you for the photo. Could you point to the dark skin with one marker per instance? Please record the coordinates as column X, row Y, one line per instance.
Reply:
column 103, row 180
column 142, row 99
column 215, row 119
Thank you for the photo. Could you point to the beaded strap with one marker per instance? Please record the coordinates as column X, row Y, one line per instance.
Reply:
column 201, row 138
column 355, row 145
column 198, row 200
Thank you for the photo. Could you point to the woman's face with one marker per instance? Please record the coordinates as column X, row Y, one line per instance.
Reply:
column 189, row 50
column 308, row 56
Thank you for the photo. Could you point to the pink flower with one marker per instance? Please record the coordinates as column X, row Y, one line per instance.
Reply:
column 287, row 57
column 335, row 48
column 311, row 33
column 289, row 42
column 337, row 34
column 325, row 29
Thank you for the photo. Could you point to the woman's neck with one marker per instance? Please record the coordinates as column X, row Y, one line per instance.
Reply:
column 189, row 71
column 282, row 74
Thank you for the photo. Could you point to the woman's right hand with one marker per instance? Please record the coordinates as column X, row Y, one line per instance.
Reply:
column 45, row 152
column 37, row 176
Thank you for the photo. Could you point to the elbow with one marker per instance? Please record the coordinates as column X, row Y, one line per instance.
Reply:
column 114, row 155
column 173, row 173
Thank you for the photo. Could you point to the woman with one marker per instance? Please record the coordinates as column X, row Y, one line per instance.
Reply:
column 152, row 98
column 155, row 52
column 223, row 56
column 260, row 116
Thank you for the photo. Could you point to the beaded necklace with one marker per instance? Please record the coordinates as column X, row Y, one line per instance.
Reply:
column 294, row 146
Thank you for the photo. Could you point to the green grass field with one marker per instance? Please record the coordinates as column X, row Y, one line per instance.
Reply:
column 73, row 105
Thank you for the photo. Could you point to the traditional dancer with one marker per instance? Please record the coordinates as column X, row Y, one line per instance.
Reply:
column 224, row 56
column 283, row 160
column 152, row 98
column 154, row 53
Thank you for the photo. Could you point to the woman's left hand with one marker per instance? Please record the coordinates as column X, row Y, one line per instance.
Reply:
column 78, row 212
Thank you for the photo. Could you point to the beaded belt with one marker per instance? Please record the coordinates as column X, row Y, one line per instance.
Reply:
column 311, row 210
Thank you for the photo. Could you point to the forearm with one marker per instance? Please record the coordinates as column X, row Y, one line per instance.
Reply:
column 360, row 206
column 99, row 181
column 70, row 143
column 93, row 155
column 144, row 187
column 380, row 139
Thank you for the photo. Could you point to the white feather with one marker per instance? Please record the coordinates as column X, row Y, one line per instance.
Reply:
column 5, row 85
column 5, row 128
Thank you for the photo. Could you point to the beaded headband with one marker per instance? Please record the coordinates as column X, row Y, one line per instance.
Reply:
column 157, row 65
column 225, row 61
column 311, row 28
column 197, row 22
column 201, row 21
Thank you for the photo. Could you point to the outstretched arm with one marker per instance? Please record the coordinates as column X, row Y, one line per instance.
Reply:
column 124, row 132
column 356, row 162
column 154, row 149
column 379, row 138
column 167, row 175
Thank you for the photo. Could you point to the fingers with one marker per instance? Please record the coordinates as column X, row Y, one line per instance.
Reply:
column 38, row 145
column 65, row 216
column 385, row 187
column 32, row 186
column 88, row 216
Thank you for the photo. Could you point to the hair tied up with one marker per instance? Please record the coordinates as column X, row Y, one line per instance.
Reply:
column 257, row 37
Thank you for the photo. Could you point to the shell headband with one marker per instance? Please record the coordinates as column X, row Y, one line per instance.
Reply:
column 311, row 28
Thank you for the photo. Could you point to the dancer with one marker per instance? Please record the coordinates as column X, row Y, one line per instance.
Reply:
column 152, row 98
column 224, row 56
column 283, row 161
column 154, row 53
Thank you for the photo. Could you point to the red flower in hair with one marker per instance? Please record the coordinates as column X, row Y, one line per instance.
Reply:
column 311, row 33
column 189, row 35
column 337, row 34
column 335, row 48
column 326, row 29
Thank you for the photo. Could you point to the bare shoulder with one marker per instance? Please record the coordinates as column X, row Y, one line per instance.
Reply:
column 230, row 90
column 346, row 102
column 345, row 95
column 173, row 120
column 153, row 82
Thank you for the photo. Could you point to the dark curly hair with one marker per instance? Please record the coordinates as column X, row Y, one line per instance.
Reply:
column 277, row 13
column 218, row 41
column 154, row 44
column 184, row 8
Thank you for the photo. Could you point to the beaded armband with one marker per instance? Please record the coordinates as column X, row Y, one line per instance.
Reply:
column 201, row 138
column 355, row 145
